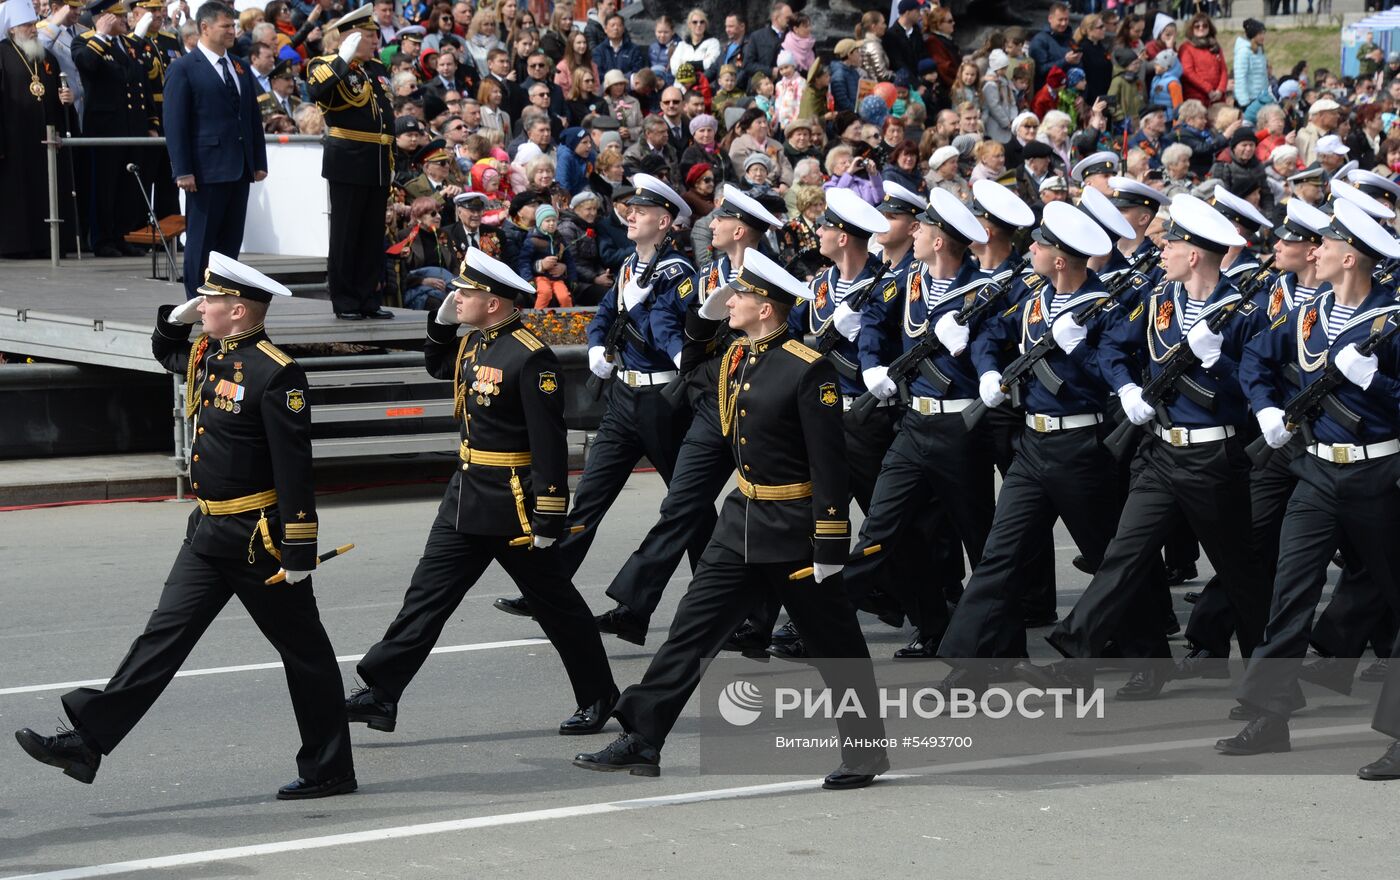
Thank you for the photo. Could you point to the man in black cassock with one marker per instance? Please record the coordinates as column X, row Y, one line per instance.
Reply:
column 30, row 99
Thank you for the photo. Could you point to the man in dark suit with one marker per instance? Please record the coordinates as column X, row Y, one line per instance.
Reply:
column 904, row 40
column 761, row 51
column 215, row 138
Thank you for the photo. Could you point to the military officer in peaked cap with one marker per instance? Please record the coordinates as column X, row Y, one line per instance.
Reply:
column 250, row 469
column 1061, row 469
column 1343, row 191
column 1377, row 186
column 1094, row 171
column 506, row 501
column 780, row 410
column 703, row 464
column 1193, row 462
column 638, row 420
column 1346, row 474
column 934, row 460
column 352, row 90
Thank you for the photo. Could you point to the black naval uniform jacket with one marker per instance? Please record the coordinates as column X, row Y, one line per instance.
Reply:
column 513, row 477
column 780, row 411
column 359, row 140
column 117, row 102
column 252, row 446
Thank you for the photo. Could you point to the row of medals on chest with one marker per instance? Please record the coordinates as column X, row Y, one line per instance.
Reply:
column 487, row 383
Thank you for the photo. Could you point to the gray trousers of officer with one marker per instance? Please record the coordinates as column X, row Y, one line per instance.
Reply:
column 1359, row 501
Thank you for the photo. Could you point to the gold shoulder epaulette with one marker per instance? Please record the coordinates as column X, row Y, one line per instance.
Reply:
column 528, row 339
column 265, row 96
column 322, row 71
column 809, row 355
column 86, row 34
column 274, row 352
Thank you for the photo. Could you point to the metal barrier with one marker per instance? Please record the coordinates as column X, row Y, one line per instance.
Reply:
column 54, row 142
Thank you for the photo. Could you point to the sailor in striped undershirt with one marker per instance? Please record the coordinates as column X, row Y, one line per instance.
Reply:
column 1346, row 477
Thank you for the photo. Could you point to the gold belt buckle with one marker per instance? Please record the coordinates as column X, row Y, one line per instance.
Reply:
column 1342, row 453
column 1179, row 437
column 1042, row 424
column 925, row 406
column 630, row 377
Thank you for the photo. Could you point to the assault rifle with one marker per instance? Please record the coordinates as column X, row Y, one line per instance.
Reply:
column 623, row 321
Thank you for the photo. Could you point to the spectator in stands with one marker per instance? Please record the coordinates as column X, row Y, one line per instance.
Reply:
column 1163, row 36
column 1096, row 52
column 618, row 52
column 1054, row 132
column 1125, row 91
column 658, row 52
column 874, row 64
column 544, row 259
column 1323, row 118
column 944, row 173
column 1053, row 47
column 697, row 47
column 942, row 49
column 427, row 259
column 1243, row 174
column 1023, row 129
column 493, row 118
column 1204, row 75
column 1270, row 130
column 1283, row 163
column 1251, row 70
column 753, row 137
column 1166, row 84
column 1193, row 129
column 998, row 98
column 761, row 50
column 991, row 161
column 1364, row 139
column 800, row 43
column 799, row 234
column 903, row 167
column 578, row 229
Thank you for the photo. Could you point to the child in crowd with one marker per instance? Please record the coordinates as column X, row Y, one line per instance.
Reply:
column 544, row 257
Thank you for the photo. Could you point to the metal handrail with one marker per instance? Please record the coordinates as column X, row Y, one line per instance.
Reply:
column 53, row 141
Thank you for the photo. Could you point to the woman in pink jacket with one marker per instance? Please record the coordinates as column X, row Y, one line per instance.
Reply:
column 1204, row 75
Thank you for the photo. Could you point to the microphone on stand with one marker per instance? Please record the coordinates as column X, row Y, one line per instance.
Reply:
column 133, row 168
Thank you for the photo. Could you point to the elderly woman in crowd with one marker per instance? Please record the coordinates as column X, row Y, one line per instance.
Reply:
column 944, row 173
column 1271, row 130
column 625, row 108
column 855, row 171
column 1023, row 130
column 903, row 168
column 578, row 228
column 1054, row 133
column 1176, row 168
column 754, row 138
column 1283, row 162
column 807, row 175
column 704, row 148
column 799, row 234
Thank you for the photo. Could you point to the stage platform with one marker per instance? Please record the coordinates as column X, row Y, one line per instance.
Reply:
column 100, row 311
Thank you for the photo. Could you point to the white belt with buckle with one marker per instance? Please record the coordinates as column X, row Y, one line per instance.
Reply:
column 1047, row 424
column 1347, row 453
column 933, row 406
column 848, row 401
column 1194, row 436
column 638, row 379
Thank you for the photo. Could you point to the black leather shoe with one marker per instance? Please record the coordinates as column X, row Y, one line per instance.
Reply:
column 302, row 790
column 622, row 623
column 1376, row 671
column 519, row 606
column 1084, row 565
column 1034, row 619
column 1266, row 733
column 591, row 718
column 844, row 778
column 918, row 649
column 1200, row 663
column 628, row 752
column 1178, row 576
column 1061, row 674
column 1387, row 767
column 962, row 678
column 379, row 314
column 749, row 641
column 67, row 751
column 350, row 316
column 1145, row 684
column 1241, row 712
column 786, row 634
column 1170, row 625
column 795, row 652
column 1191, row 597
column 1333, row 673
column 363, row 707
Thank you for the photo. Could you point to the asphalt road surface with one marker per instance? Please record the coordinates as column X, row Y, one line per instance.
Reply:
column 475, row 782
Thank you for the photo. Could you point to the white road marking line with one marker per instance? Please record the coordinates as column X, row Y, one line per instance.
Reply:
column 254, row 667
column 595, row 809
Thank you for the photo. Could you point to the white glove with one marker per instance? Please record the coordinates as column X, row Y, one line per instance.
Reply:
column 632, row 294
column 1276, row 433
column 187, row 313
column 542, row 542
column 1138, row 411
column 144, row 25
column 847, row 322
column 295, row 577
column 348, row 47
column 601, row 366
column 822, row 571
column 953, row 335
column 677, row 359
column 877, row 379
column 1067, row 332
column 989, row 389
column 1205, row 343
column 447, row 312
column 1360, row 371
column 172, row 12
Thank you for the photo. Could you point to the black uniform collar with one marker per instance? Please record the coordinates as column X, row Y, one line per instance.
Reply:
column 229, row 343
column 491, row 331
column 763, row 343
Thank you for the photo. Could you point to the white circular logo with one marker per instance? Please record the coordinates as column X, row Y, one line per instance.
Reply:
column 740, row 703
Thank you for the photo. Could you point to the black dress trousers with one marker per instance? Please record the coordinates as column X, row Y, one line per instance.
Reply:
column 196, row 590
column 356, row 263
column 451, row 564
